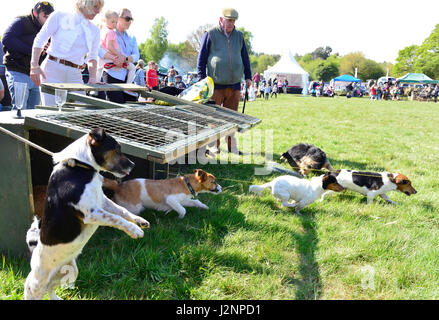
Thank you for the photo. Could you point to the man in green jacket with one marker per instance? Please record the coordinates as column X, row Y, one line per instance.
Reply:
column 224, row 57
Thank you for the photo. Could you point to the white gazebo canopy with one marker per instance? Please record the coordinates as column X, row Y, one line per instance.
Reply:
column 288, row 68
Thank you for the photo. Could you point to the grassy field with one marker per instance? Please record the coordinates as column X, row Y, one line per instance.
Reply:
column 249, row 247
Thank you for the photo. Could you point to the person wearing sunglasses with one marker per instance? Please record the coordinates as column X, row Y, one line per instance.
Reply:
column 17, row 41
column 130, row 54
column 74, row 44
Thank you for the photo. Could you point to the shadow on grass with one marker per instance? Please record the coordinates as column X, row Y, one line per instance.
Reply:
column 175, row 256
column 309, row 287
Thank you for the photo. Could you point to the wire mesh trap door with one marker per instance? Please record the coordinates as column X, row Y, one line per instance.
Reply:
column 159, row 134
column 243, row 121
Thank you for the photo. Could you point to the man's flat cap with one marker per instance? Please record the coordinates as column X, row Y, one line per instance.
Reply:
column 230, row 13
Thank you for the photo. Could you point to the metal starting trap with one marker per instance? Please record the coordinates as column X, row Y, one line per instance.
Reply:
column 153, row 136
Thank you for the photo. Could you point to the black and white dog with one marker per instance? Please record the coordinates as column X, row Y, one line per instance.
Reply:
column 302, row 192
column 304, row 158
column 75, row 207
column 372, row 184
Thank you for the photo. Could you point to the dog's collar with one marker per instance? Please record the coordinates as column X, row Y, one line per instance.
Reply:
column 76, row 163
column 189, row 186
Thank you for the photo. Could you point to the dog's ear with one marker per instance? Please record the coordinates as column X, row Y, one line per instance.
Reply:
column 96, row 136
column 401, row 179
column 200, row 174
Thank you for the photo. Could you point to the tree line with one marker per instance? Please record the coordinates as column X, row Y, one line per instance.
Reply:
column 321, row 64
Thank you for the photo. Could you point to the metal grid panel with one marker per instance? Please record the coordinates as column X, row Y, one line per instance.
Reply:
column 206, row 122
column 142, row 128
column 238, row 118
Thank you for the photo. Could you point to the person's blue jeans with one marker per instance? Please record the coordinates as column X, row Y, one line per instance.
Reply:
column 33, row 92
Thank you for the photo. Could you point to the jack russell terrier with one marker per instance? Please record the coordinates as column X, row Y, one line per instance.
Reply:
column 305, row 158
column 303, row 192
column 372, row 184
column 74, row 208
column 163, row 195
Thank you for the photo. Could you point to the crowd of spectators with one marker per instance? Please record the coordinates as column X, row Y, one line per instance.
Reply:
column 396, row 91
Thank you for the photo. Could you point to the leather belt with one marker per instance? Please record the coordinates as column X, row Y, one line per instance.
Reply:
column 66, row 63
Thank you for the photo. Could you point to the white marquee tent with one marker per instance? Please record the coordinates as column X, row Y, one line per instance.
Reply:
column 288, row 68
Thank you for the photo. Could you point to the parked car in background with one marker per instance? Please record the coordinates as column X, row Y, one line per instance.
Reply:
column 383, row 80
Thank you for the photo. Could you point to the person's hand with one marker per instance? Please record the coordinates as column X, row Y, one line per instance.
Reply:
column 36, row 74
column 92, row 80
column 119, row 60
column 248, row 83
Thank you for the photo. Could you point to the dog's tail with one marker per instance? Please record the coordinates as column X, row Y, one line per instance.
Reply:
column 258, row 189
column 33, row 235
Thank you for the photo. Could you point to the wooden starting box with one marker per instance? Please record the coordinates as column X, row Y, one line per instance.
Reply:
column 151, row 135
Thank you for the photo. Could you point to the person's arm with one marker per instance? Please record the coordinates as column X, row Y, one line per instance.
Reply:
column 135, row 54
column 92, row 58
column 35, row 71
column 12, row 38
column 202, row 57
column 2, row 91
column 92, row 69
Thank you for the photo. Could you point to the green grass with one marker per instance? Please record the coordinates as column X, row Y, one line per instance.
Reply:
column 249, row 247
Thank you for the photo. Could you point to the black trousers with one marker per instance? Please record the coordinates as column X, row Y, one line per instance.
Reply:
column 116, row 96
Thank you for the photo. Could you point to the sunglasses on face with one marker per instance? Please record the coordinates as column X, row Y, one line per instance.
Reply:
column 127, row 19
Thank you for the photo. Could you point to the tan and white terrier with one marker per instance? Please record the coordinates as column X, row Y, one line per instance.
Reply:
column 163, row 195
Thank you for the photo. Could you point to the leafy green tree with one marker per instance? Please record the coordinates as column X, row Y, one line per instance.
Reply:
column 322, row 53
column 248, row 36
column 262, row 62
column 370, row 69
column 349, row 62
column 405, row 63
column 155, row 47
column 328, row 69
column 428, row 55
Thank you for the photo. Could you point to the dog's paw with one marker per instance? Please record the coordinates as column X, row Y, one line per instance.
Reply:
column 142, row 223
column 203, row 206
column 135, row 232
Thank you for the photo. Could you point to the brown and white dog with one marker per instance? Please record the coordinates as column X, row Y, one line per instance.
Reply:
column 163, row 195
column 372, row 184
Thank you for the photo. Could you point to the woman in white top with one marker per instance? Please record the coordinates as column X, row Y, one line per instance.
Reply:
column 74, row 42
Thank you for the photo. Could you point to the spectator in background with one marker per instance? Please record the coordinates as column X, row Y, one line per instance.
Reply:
column 373, row 92
column 5, row 102
column 179, row 83
column 285, row 88
column 111, row 45
column 267, row 91
column 379, row 91
column 74, row 41
column 139, row 77
column 224, row 57
column 274, row 90
column 17, row 45
column 171, row 77
column 130, row 53
column 436, row 92
column 256, row 79
column 152, row 79
column 190, row 80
